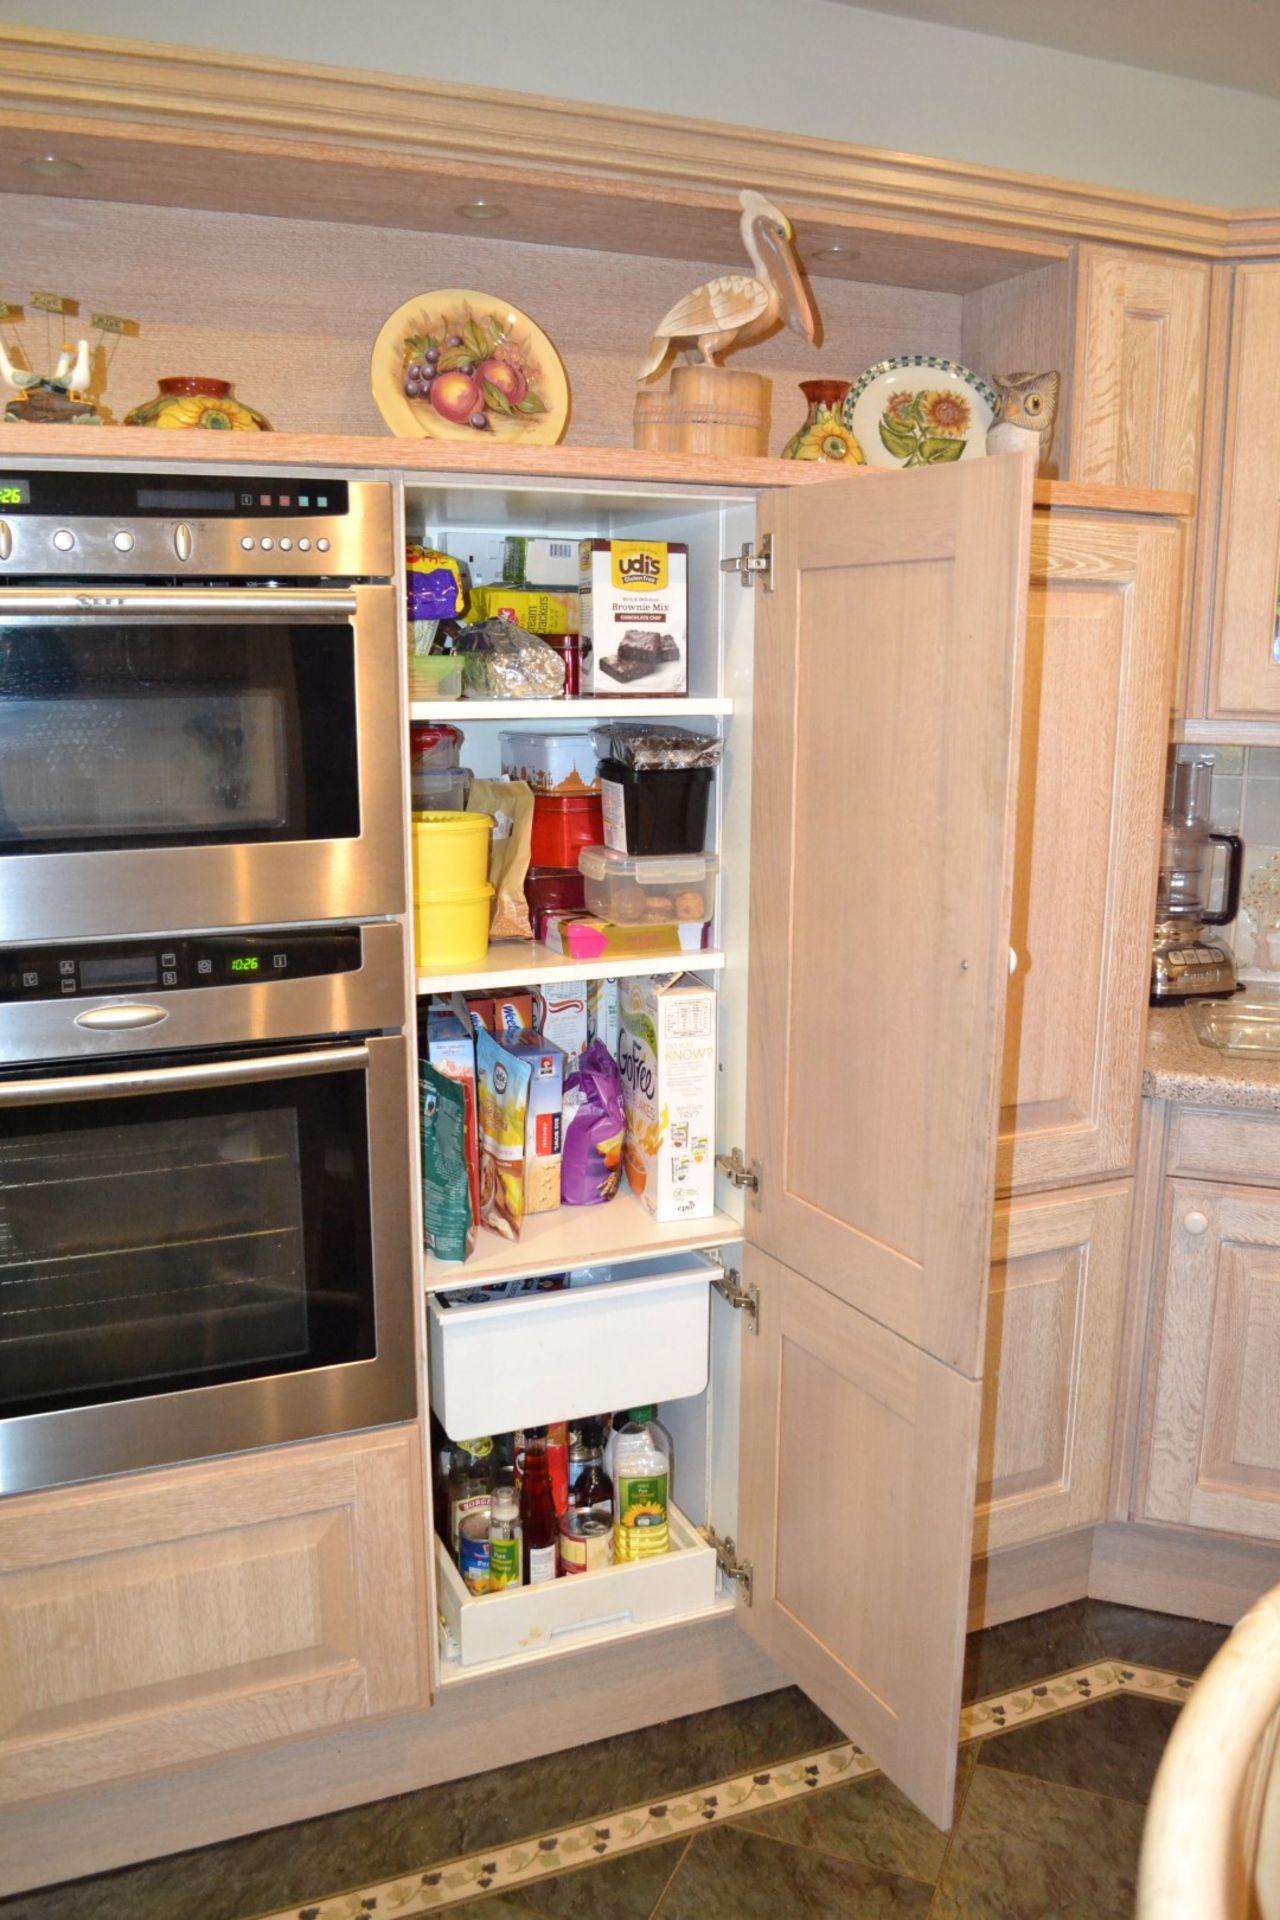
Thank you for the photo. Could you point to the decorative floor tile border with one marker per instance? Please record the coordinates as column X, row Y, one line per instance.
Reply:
column 502, row 1869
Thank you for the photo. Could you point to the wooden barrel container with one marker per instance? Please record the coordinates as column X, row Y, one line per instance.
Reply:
column 719, row 410
column 651, row 424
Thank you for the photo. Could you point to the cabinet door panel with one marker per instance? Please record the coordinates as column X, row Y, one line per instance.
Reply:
column 855, row 1505
column 1100, row 636
column 885, row 685
column 168, row 1617
column 1213, row 1452
column 887, row 674
column 1053, row 1332
column 1244, row 679
column 1140, row 370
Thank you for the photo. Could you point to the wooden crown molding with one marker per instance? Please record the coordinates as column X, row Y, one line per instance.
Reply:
column 224, row 101
column 1254, row 233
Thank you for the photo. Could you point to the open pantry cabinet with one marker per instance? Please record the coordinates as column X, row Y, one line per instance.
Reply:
column 829, row 1315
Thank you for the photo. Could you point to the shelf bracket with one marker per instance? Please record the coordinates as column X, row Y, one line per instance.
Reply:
column 728, row 1562
column 751, row 566
column 727, row 1282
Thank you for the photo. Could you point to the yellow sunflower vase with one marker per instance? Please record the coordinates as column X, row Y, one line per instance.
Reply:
column 824, row 435
column 191, row 401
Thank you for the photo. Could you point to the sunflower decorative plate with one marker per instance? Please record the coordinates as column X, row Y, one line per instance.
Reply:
column 461, row 365
column 919, row 411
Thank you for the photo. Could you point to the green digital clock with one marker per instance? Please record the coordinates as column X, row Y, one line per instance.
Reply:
column 245, row 963
column 15, row 493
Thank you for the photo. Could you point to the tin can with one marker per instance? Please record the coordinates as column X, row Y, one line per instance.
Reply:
column 570, row 647
column 586, row 1543
column 473, row 1551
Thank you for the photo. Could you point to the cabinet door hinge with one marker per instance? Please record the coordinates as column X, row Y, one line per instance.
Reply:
column 745, row 1178
column 751, row 566
column 728, row 1284
column 728, row 1562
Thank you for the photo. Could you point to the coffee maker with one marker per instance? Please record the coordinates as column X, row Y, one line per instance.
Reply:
column 1184, row 964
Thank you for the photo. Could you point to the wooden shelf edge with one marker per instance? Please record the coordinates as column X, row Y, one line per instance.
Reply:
column 511, row 963
column 616, row 1234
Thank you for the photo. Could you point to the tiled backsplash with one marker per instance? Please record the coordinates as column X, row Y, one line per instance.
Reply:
column 1246, row 800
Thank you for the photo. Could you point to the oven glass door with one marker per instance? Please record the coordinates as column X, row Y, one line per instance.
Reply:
column 191, row 726
column 183, row 1225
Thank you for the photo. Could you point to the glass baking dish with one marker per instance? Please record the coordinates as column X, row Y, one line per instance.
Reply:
column 1248, row 1024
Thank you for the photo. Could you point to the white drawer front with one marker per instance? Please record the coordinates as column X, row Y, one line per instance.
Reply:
column 637, row 1339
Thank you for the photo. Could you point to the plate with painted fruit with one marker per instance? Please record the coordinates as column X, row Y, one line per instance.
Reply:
column 465, row 366
column 919, row 411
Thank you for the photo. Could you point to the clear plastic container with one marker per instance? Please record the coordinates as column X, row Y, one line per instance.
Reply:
column 440, row 789
column 631, row 889
column 435, row 676
column 433, row 745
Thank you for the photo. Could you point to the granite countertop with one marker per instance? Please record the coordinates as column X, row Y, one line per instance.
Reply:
column 1179, row 1067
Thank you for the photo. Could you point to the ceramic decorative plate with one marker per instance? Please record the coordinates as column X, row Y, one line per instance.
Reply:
column 460, row 365
column 919, row 411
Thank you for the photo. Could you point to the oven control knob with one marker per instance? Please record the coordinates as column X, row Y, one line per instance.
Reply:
column 64, row 539
column 6, row 540
column 182, row 541
column 122, row 541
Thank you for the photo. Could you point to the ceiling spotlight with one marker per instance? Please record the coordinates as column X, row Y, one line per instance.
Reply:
column 52, row 166
column 835, row 253
column 482, row 209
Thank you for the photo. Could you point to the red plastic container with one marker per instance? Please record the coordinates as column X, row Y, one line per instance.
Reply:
column 555, row 890
column 564, row 823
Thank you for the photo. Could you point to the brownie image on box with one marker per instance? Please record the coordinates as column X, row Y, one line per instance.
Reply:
column 626, row 667
column 638, row 643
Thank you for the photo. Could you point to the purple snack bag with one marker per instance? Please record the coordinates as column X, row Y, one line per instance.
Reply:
column 591, row 1158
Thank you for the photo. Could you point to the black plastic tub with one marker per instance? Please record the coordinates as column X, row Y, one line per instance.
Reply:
column 662, row 809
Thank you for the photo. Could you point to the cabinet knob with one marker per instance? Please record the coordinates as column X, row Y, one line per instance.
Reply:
column 1195, row 1221
column 1013, row 962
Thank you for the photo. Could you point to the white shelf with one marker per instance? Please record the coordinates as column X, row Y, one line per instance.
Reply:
column 619, row 1231
column 583, row 711
column 512, row 963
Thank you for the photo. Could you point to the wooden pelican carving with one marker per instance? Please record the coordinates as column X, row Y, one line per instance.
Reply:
column 736, row 307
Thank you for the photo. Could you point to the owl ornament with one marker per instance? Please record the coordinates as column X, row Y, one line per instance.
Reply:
column 1028, row 404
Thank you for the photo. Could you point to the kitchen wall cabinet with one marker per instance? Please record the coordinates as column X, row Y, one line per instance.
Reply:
column 1053, row 1334
column 1138, row 382
column 1243, row 681
column 164, row 1618
column 1101, row 635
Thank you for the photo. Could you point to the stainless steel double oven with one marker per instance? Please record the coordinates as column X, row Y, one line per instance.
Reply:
column 206, row 1225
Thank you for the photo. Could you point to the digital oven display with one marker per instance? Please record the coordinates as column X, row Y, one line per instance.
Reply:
column 15, row 493
column 185, row 500
column 119, row 970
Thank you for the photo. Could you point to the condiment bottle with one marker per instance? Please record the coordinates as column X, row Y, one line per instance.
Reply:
column 470, row 1483
column 538, row 1520
column 641, row 1478
column 592, row 1489
column 558, row 1464
column 505, row 1557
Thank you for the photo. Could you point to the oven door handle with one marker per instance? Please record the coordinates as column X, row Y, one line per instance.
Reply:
column 215, row 1073
column 164, row 603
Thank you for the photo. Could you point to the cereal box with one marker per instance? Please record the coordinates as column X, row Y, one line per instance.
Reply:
column 667, row 1059
column 560, row 1014
column 635, row 614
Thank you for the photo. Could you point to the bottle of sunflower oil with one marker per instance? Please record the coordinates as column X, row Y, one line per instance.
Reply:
column 641, row 1482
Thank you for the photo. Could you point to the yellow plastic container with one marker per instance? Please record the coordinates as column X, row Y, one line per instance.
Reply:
column 451, row 927
column 450, row 850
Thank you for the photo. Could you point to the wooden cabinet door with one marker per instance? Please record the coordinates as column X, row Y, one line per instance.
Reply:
column 1212, row 1442
column 1053, row 1343
column 1140, row 370
column 1244, row 670
column 1101, row 631
column 886, row 681
column 167, row 1617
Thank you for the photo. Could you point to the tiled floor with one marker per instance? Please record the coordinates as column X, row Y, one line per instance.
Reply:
column 1049, row 1813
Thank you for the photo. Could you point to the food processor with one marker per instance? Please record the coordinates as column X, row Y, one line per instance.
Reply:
column 1184, row 964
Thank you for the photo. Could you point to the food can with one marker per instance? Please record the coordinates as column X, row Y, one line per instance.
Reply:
column 586, row 1543
column 570, row 648
column 473, row 1551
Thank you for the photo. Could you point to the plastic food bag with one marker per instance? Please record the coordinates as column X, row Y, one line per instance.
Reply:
column 591, row 1160
column 510, row 802
column 643, row 746
column 434, row 584
column 450, row 1230
column 503, row 1101
column 500, row 661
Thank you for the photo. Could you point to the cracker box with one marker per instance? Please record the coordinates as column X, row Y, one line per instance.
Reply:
column 667, row 1059
column 635, row 616
column 540, row 612
column 528, row 561
column 544, row 1117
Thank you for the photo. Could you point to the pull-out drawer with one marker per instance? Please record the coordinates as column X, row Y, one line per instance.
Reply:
column 623, row 1339
column 578, row 1608
column 1242, row 1149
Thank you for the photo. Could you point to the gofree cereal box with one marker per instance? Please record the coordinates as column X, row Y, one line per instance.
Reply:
column 667, row 1059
